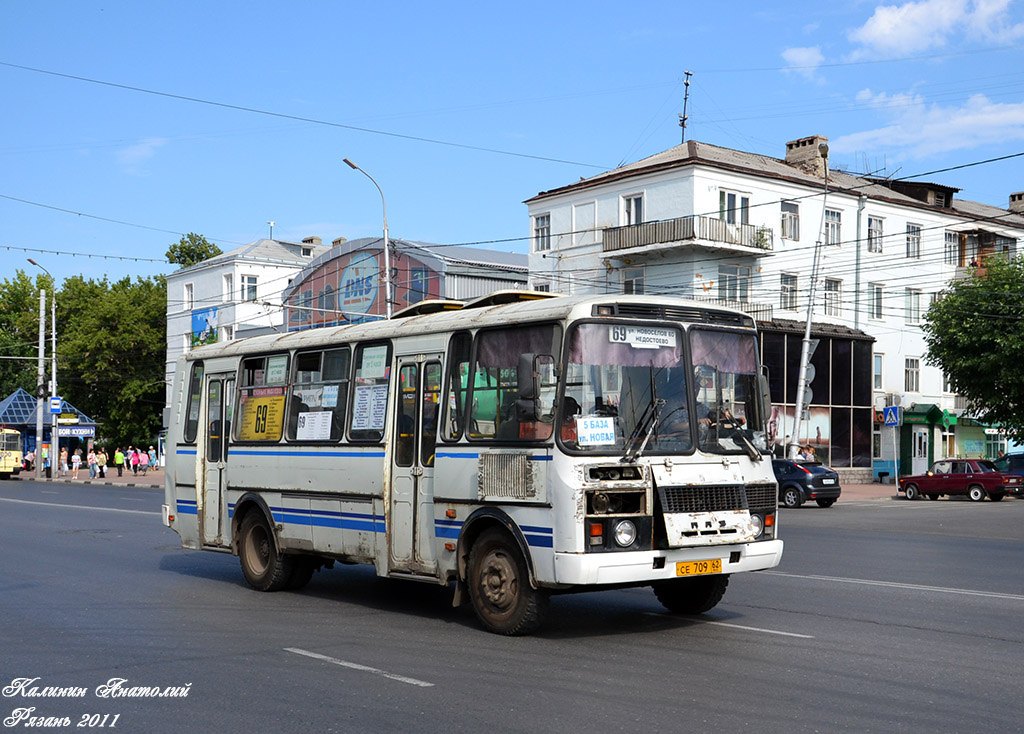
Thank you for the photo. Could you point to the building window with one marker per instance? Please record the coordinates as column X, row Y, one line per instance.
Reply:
column 995, row 445
column 228, row 291
column 912, row 376
column 833, row 293
column 787, row 292
column 876, row 441
column 542, row 287
column 227, row 333
column 733, row 208
column 952, row 254
column 947, row 384
column 633, row 281
column 913, row 298
column 914, row 241
column 833, row 227
column 877, row 374
column 734, row 282
column 1006, row 245
column 189, row 300
column 307, row 251
column 790, row 220
column 632, row 209
column 874, row 234
column 874, row 301
column 248, row 287
column 542, row 232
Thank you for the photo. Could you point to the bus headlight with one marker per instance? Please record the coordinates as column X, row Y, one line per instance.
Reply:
column 625, row 533
column 757, row 523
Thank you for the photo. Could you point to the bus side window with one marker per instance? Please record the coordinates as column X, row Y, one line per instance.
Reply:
column 370, row 392
column 458, row 386
column 195, row 394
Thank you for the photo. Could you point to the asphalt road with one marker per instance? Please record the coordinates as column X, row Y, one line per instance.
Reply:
column 885, row 616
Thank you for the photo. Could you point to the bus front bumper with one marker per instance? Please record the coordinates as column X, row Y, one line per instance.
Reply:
column 648, row 566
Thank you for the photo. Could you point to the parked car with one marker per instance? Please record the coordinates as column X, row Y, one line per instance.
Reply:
column 976, row 478
column 800, row 481
column 1010, row 464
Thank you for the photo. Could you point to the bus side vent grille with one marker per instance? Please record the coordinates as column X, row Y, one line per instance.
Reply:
column 702, row 498
column 506, row 476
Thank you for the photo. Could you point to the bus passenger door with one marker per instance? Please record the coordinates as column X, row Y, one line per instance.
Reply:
column 219, row 389
column 411, row 506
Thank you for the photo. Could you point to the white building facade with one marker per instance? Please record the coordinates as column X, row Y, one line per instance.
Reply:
column 740, row 229
column 233, row 295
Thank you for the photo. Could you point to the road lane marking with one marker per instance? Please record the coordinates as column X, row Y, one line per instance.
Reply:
column 736, row 626
column 357, row 666
column 77, row 507
column 898, row 585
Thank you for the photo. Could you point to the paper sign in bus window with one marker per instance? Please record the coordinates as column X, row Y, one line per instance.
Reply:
column 595, row 430
column 369, row 407
column 314, row 426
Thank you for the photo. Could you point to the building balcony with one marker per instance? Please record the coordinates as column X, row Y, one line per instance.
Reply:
column 760, row 311
column 697, row 231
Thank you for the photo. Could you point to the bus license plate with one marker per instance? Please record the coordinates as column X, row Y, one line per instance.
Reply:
column 699, row 568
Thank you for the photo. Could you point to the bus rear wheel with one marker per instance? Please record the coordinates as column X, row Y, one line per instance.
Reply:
column 264, row 567
column 499, row 586
column 691, row 596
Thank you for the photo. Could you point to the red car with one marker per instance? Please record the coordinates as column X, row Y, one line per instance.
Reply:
column 974, row 477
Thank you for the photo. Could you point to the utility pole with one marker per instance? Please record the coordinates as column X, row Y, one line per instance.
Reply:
column 686, row 99
column 805, row 349
column 40, row 384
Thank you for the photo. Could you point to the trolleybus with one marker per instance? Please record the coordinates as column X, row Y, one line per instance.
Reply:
column 513, row 447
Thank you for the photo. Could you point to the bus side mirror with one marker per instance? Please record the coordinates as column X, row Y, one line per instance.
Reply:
column 766, row 393
column 528, row 386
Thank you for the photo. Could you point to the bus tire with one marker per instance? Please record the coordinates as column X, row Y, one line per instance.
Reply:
column 499, row 586
column 691, row 596
column 302, row 572
column 264, row 567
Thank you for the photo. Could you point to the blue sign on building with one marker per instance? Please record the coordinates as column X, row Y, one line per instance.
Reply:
column 893, row 415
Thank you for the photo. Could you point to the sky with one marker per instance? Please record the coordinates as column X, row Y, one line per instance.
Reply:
column 125, row 125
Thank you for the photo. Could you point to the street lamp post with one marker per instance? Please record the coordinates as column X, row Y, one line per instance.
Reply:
column 54, row 426
column 386, row 281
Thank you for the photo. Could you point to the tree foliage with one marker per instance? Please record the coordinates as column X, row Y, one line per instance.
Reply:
column 975, row 334
column 191, row 249
column 111, row 347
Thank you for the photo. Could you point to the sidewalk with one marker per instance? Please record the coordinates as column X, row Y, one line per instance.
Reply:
column 152, row 480
column 872, row 491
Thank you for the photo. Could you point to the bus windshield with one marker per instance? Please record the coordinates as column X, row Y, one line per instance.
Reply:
column 630, row 389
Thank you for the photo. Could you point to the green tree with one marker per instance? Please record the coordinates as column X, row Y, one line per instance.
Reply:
column 19, row 331
column 111, row 356
column 975, row 334
column 191, row 249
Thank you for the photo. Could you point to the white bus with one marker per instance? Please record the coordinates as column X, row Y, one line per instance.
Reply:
column 512, row 447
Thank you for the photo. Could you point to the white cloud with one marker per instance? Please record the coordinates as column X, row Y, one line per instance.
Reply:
column 918, row 130
column 924, row 25
column 803, row 60
column 132, row 157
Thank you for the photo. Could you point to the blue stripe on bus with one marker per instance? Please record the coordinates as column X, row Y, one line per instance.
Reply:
column 188, row 507
column 540, row 541
column 452, row 455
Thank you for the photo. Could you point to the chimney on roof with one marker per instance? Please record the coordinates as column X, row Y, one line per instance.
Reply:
column 804, row 154
column 339, row 241
column 1017, row 202
column 314, row 241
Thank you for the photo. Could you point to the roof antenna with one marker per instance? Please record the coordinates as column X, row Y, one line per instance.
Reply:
column 686, row 99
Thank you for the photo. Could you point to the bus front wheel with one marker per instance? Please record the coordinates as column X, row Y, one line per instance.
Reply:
column 264, row 567
column 691, row 596
column 499, row 586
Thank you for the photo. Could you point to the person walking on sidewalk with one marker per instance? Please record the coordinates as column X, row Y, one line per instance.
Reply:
column 63, row 461
column 76, row 461
column 143, row 462
column 119, row 460
column 101, row 463
column 135, row 461
column 91, row 460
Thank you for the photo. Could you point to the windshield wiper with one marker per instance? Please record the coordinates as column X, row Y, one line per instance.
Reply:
column 646, row 425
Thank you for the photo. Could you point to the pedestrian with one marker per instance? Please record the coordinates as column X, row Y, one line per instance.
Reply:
column 63, row 461
column 119, row 460
column 30, row 460
column 76, row 461
column 152, row 458
column 135, row 461
column 91, row 460
column 101, row 463
column 143, row 462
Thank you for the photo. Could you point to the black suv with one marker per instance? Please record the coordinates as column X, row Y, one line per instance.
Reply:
column 800, row 481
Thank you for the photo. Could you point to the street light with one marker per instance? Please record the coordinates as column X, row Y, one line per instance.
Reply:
column 805, row 349
column 386, row 282
column 54, row 439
